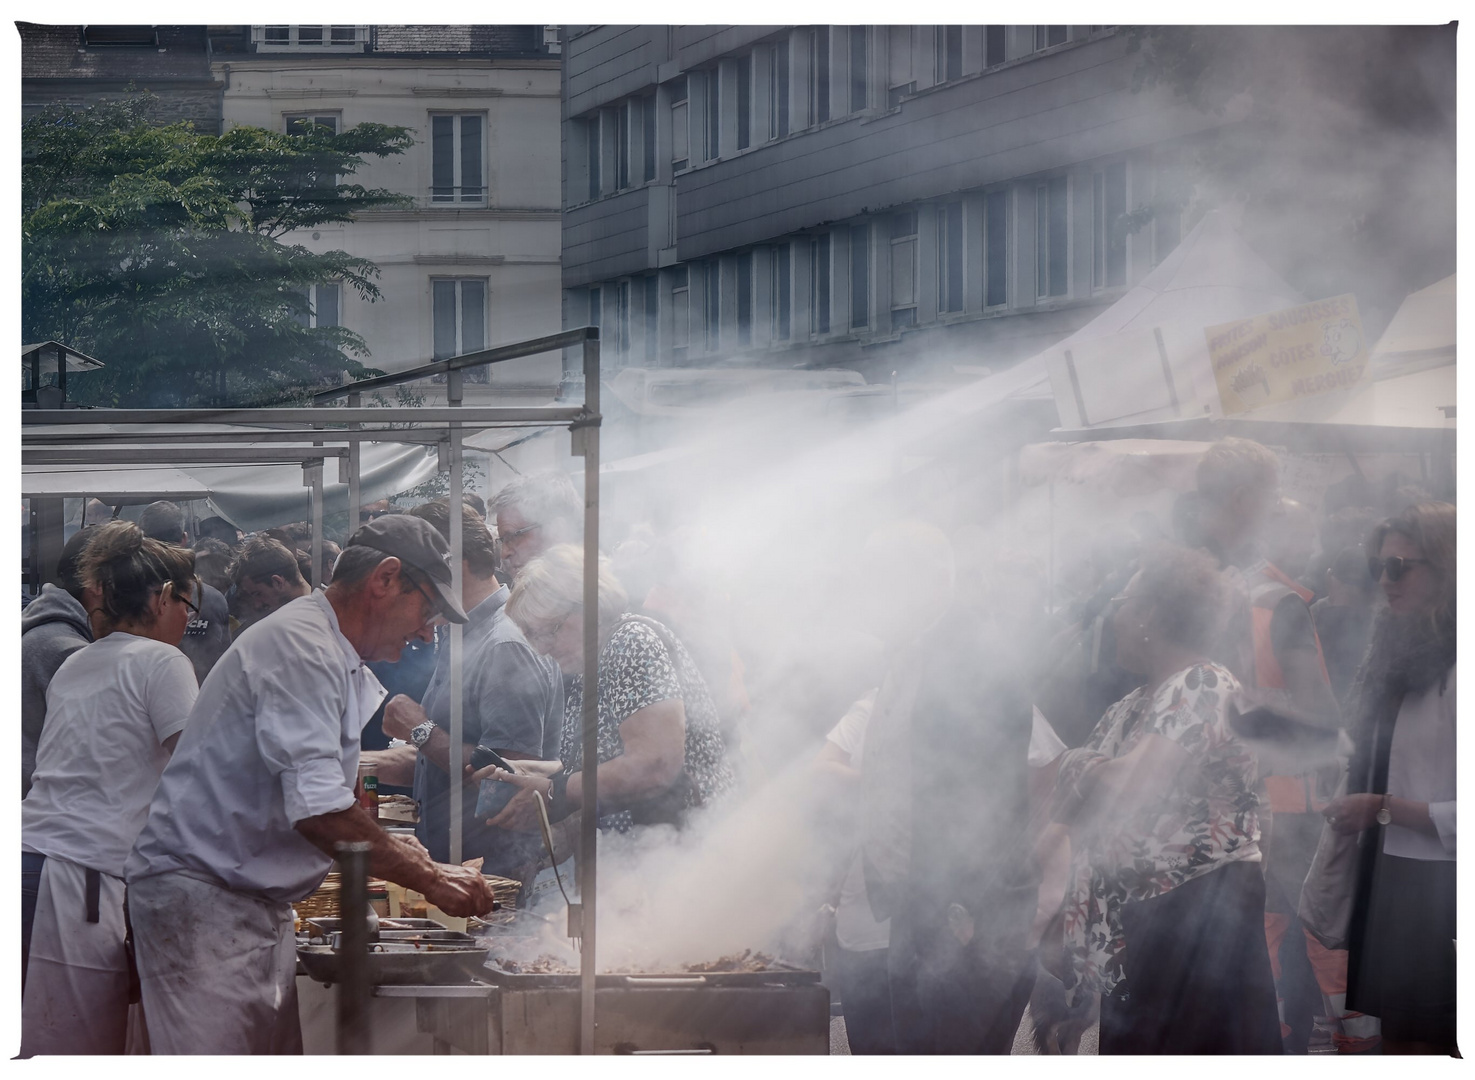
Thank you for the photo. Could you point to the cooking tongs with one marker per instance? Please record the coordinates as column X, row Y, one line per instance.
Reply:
column 575, row 911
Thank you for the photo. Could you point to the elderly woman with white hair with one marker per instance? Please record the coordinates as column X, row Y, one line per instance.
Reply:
column 660, row 751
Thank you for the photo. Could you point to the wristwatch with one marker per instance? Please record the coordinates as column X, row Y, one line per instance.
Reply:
column 420, row 734
column 1384, row 816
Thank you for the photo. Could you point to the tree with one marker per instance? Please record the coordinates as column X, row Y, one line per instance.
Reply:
column 1338, row 147
column 158, row 250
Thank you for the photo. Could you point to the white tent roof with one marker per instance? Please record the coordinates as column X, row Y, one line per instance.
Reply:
column 1422, row 330
column 1211, row 277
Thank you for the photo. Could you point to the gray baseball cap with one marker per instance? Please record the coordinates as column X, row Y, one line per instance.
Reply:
column 418, row 545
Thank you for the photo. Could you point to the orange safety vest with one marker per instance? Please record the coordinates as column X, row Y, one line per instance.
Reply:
column 1268, row 587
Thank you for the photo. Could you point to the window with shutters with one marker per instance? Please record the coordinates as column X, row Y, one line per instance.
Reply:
column 457, row 161
column 903, row 269
column 459, row 315
column 320, row 305
column 1052, row 237
column 1109, row 234
column 950, row 257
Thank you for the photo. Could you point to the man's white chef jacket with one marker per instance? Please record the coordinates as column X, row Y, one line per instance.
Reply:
column 273, row 739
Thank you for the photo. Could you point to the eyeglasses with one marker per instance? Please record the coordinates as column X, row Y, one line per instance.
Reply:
column 511, row 538
column 1394, row 566
column 545, row 635
column 184, row 599
column 438, row 620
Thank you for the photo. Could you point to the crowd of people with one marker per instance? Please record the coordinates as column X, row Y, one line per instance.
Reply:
column 1211, row 794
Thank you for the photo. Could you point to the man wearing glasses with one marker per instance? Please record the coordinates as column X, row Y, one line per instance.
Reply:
column 534, row 513
column 208, row 634
column 260, row 790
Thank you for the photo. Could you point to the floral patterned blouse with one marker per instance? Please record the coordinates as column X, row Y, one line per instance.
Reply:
column 1206, row 819
column 636, row 669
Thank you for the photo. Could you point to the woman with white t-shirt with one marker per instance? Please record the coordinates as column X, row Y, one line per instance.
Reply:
column 114, row 712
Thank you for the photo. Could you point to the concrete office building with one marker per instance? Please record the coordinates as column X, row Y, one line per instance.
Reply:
column 885, row 198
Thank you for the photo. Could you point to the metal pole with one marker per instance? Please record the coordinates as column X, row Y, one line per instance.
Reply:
column 354, row 457
column 312, row 477
column 353, row 949
column 458, row 781
column 587, row 439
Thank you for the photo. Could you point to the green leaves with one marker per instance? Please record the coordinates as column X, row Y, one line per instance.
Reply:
column 160, row 251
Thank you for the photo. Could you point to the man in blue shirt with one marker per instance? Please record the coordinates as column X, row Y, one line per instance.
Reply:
column 513, row 703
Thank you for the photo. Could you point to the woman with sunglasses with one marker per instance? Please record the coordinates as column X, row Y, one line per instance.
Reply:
column 114, row 712
column 1401, row 784
column 1164, row 897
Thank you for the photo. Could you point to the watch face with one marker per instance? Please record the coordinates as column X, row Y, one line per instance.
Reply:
column 1384, row 818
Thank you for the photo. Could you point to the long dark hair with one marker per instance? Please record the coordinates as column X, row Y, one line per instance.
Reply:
column 128, row 567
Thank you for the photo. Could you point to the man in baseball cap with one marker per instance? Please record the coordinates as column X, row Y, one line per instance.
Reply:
column 416, row 544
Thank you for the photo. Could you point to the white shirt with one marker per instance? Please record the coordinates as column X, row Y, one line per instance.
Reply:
column 1421, row 766
column 855, row 927
column 109, row 709
column 273, row 739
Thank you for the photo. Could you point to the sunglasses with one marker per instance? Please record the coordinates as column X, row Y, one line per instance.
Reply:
column 1394, row 566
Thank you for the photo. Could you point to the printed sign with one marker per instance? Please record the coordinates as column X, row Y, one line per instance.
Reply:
column 1285, row 355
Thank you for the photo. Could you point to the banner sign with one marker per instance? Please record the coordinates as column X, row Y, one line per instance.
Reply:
column 1285, row 355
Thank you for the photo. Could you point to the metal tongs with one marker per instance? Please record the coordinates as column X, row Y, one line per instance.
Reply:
column 575, row 911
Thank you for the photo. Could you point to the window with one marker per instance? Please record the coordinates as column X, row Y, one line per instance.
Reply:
column 550, row 40
column 858, row 64
column 321, row 306
column 950, row 257
column 712, row 305
column 745, row 298
column 652, row 317
column 995, row 212
column 596, row 306
column 899, row 79
column 120, row 37
column 949, row 48
column 680, row 131
column 995, row 45
column 819, row 75
column 710, row 145
column 744, row 100
column 305, row 124
column 778, row 92
column 278, row 38
column 459, row 315
column 860, row 277
column 1109, row 238
column 904, row 269
column 591, row 150
column 782, row 296
column 1051, row 238
column 648, row 137
column 1046, row 36
column 622, row 147
column 680, row 309
column 456, row 158
column 819, row 284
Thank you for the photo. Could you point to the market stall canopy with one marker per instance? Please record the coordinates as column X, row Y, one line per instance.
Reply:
column 1145, row 358
column 252, row 497
column 112, row 486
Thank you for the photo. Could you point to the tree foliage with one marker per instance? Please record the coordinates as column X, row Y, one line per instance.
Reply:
column 160, row 251
column 1336, row 144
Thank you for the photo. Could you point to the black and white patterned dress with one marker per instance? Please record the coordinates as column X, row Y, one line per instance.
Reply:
column 636, row 669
